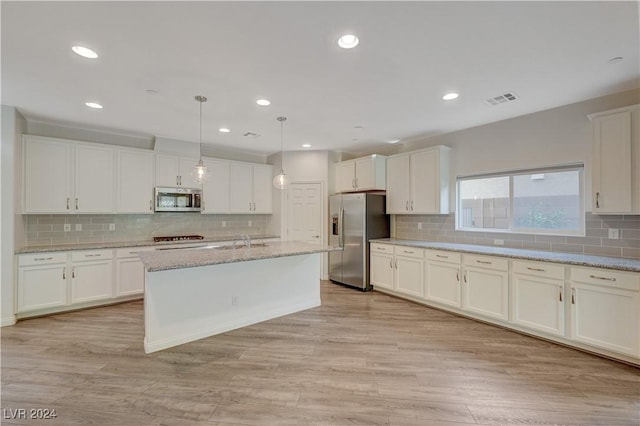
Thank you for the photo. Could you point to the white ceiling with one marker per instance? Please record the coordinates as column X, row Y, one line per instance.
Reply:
column 410, row 54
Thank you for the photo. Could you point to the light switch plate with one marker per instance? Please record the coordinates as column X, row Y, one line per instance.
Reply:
column 67, row 227
column 614, row 234
column 112, row 227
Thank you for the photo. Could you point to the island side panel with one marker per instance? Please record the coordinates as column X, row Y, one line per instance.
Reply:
column 183, row 305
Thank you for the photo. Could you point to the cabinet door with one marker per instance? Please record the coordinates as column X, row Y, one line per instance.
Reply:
column 41, row 287
column 345, row 176
column 486, row 292
column 606, row 317
column 48, row 168
column 91, row 280
column 398, row 185
column 381, row 270
column 129, row 277
column 365, row 173
column 409, row 276
column 94, row 179
column 612, row 159
column 442, row 283
column 185, row 179
column 425, row 182
column 215, row 190
column 241, row 188
column 167, row 170
column 538, row 303
column 134, row 187
column 262, row 188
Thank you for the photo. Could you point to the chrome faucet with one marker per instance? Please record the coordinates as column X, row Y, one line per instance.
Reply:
column 246, row 239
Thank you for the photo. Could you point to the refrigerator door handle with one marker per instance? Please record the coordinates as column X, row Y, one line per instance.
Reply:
column 341, row 240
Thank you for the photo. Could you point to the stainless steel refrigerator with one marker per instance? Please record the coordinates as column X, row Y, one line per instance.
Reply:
column 354, row 220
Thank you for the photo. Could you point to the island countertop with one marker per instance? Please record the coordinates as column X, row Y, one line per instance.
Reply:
column 215, row 255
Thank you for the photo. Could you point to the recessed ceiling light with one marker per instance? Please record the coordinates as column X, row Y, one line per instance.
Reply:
column 358, row 126
column 151, row 92
column 306, row 145
column 394, row 141
column 93, row 105
column 450, row 96
column 615, row 60
column 348, row 41
column 85, row 52
column 223, row 130
column 263, row 102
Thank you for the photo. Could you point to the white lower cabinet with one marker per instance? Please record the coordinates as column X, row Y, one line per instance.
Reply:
column 442, row 277
column 42, row 281
column 381, row 266
column 538, row 296
column 605, row 309
column 397, row 268
column 91, row 275
column 486, row 286
column 129, row 272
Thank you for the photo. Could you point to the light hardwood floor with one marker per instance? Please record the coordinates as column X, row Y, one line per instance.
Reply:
column 360, row 359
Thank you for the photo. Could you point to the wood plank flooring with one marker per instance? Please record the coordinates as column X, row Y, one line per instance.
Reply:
column 359, row 359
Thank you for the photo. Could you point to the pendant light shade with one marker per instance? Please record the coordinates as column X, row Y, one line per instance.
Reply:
column 281, row 181
column 199, row 172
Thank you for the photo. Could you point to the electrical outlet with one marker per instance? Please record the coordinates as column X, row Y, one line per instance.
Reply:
column 498, row 242
column 78, row 227
column 614, row 234
column 250, row 223
column 234, row 300
column 112, row 227
column 224, row 223
column 67, row 227
column 419, row 225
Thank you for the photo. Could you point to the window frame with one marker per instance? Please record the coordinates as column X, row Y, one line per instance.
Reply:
column 513, row 229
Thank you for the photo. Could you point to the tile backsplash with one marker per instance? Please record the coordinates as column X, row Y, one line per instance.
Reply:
column 45, row 230
column 596, row 242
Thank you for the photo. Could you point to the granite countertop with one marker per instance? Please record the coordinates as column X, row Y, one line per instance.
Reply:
column 210, row 255
column 615, row 263
column 123, row 244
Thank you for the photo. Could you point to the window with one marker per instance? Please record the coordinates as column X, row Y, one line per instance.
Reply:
column 544, row 201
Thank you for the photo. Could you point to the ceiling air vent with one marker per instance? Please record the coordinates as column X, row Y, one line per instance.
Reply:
column 501, row 99
column 251, row 135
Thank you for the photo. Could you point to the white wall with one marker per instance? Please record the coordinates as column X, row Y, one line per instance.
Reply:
column 553, row 137
column 12, row 225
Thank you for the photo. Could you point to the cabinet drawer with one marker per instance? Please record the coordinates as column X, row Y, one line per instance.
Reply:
column 122, row 253
column 78, row 256
column 418, row 253
column 442, row 256
column 382, row 248
column 539, row 269
column 42, row 258
column 605, row 277
column 486, row 262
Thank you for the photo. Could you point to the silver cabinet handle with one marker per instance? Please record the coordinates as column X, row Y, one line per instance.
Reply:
column 411, row 205
column 465, row 276
column 406, row 207
column 92, row 255
column 595, row 277
column 597, row 200
column 442, row 256
column 408, row 251
column 67, row 203
column 39, row 259
column 458, row 276
column 76, row 204
column 353, row 183
column 64, row 273
column 254, row 207
column 356, row 180
column 396, row 263
column 560, row 293
column 573, row 296
column 484, row 262
column 150, row 205
column 73, row 272
column 536, row 269
column 316, row 236
column 391, row 263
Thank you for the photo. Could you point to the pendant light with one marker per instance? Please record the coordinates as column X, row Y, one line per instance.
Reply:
column 199, row 172
column 281, row 181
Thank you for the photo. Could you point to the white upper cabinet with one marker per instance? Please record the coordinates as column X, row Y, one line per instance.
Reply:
column 215, row 190
column 134, row 180
column 418, row 182
column 616, row 161
column 94, row 178
column 174, row 171
column 361, row 174
column 48, row 167
column 62, row 176
column 250, row 188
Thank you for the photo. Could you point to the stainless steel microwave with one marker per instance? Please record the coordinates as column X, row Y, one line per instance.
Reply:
column 178, row 199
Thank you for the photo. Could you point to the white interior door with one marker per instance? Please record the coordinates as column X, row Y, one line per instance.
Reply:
column 305, row 212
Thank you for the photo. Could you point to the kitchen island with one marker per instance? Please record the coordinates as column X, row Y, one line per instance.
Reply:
column 195, row 293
